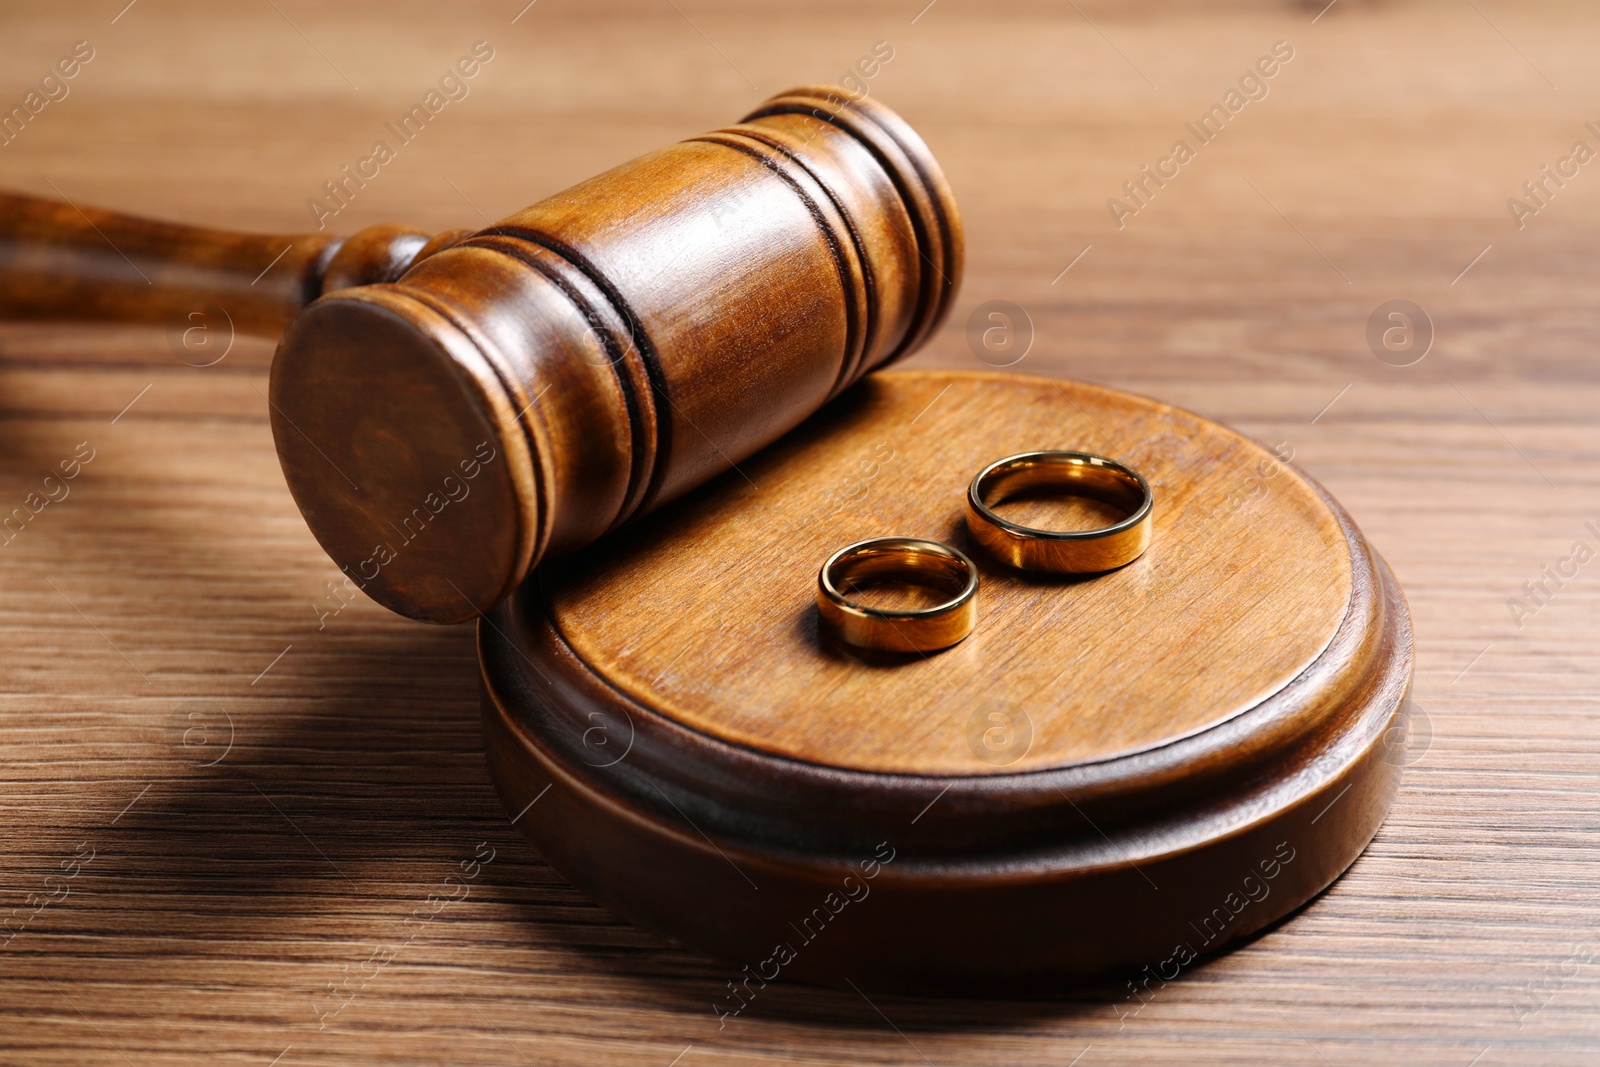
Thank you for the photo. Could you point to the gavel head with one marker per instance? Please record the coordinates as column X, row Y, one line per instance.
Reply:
column 519, row 391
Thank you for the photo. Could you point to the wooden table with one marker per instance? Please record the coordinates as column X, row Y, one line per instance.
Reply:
column 226, row 799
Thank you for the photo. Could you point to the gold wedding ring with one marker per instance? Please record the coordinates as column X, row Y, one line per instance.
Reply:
column 907, row 560
column 1061, row 551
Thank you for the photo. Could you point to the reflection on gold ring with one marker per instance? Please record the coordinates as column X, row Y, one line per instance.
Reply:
column 1061, row 551
column 901, row 559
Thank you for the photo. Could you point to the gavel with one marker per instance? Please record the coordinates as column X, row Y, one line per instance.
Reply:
column 451, row 410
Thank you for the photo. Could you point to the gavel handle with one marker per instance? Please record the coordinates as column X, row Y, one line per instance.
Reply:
column 60, row 261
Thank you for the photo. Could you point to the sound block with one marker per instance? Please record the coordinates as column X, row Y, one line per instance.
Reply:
column 1116, row 773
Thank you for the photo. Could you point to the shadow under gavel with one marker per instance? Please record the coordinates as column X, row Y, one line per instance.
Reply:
column 451, row 410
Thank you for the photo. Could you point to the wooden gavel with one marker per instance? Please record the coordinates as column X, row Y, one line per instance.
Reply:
column 451, row 410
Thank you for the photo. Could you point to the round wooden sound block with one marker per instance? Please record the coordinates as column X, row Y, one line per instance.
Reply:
column 1121, row 772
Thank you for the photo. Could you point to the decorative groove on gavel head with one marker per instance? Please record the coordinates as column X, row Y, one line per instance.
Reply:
column 520, row 391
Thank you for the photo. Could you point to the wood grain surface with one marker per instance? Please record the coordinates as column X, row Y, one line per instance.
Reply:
column 708, row 616
column 618, row 343
column 1055, row 793
column 171, row 601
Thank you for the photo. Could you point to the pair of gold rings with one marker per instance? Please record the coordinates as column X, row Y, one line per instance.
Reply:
column 948, row 571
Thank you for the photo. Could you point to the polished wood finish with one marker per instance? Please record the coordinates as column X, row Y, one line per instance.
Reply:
column 1062, row 790
column 62, row 262
column 597, row 354
column 208, row 920
column 708, row 614
column 609, row 348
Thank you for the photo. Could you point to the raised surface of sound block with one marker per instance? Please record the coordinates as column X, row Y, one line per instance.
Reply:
column 1113, row 772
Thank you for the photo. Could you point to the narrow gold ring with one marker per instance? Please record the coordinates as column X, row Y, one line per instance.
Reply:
column 1061, row 551
column 905, row 559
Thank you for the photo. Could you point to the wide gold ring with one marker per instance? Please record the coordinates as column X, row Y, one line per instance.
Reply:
column 1061, row 551
column 912, row 561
